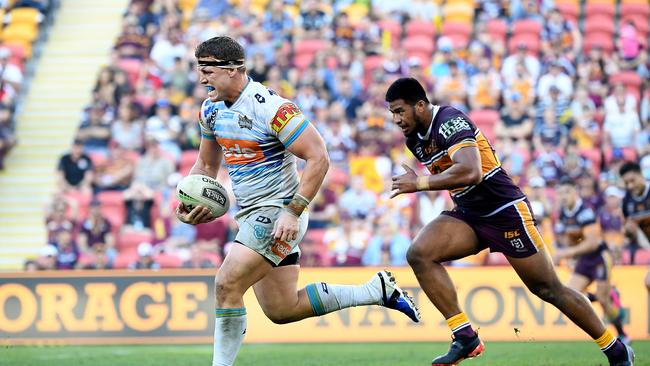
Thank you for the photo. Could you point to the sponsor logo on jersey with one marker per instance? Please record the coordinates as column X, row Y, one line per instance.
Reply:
column 240, row 151
column 245, row 122
column 211, row 119
column 453, row 126
column 285, row 113
column 214, row 195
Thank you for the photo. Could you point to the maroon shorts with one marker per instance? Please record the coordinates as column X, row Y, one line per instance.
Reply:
column 511, row 231
column 596, row 266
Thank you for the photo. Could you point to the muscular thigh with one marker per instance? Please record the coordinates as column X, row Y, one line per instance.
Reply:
column 277, row 289
column 536, row 271
column 242, row 267
column 446, row 238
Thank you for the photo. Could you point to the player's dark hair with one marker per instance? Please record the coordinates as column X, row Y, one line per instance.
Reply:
column 629, row 166
column 407, row 89
column 567, row 181
column 222, row 48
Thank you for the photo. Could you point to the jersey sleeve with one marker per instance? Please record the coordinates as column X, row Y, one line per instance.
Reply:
column 206, row 117
column 455, row 132
column 287, row 123
column 586, row 217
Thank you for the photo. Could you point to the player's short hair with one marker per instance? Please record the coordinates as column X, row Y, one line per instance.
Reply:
column 222, row 48
column 408, row 89
column 629, row 166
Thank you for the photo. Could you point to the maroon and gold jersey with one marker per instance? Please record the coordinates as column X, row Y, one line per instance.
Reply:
column 450, row 131
column 638, row 209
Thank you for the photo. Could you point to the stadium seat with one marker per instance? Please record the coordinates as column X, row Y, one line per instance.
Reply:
column 418, row 44
column 420, row 28
column 636, row 9
column 25, row 46
column 608, row 2
column 451, row 29
column 569, row 10
column 485, row 119
column 594, row 156
column 188, row 158
column 603, row 41
column 132, row 69
column 129, row 241
column 83, row 203
column 526, row 26
column 630, row 79
column 166, row 260
column 458, row 12
column 310, row 46
column 634, row 1
column 356, row 12
column 123, row 260
column 498, row 29
column 97, row 158
column 392, row 27
column 187, row 5
column 600, row 9
column 25, row 15
column 112, row 206
column 531, row 40
column 20, row 32
column 599, row 24
column 303, row 61
column 639, row 21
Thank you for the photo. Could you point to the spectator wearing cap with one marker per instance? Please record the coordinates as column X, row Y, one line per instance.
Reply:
column 521, row 55
column 440, row 67
column 145, row 258
column 75, row 169
column 7, row 137
column 555, row 77
column 47, row 257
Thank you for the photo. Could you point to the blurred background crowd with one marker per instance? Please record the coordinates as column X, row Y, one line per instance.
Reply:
column 561, row 88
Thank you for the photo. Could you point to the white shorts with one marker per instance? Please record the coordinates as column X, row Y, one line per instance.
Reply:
column 255, row 230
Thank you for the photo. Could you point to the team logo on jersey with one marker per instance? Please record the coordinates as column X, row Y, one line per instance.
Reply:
column 245, row 122
column 212, row 119
column 453, row 126
column 285, row 113
column 428, row 150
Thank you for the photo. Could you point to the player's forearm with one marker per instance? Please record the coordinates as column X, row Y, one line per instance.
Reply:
column 313, row 175
column 586, row 246
column 457, row 176
column 203, row 167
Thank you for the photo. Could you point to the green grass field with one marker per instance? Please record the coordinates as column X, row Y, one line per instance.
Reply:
column 354, row 354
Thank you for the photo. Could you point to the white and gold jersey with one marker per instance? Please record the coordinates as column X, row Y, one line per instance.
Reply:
column 254, row 133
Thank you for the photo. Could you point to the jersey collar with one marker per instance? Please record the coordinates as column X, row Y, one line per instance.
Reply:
column 243, row 91
column 644, row 194
column 575, row 209
column 433, row 116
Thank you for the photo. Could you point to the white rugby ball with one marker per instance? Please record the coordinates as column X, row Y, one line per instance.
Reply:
column 194, row 190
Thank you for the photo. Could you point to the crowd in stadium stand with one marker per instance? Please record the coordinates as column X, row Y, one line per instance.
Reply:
column 19, row 28
column 560, row 89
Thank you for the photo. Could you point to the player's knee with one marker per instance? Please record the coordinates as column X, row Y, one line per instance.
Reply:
column 547, row 292
column 414, row 255
column 224, row 290
column 278, row 317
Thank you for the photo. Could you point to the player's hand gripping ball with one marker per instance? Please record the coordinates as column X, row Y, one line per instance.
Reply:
column 202, row 199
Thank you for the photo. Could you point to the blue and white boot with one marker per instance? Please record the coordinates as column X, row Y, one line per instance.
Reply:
column 393, row 297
